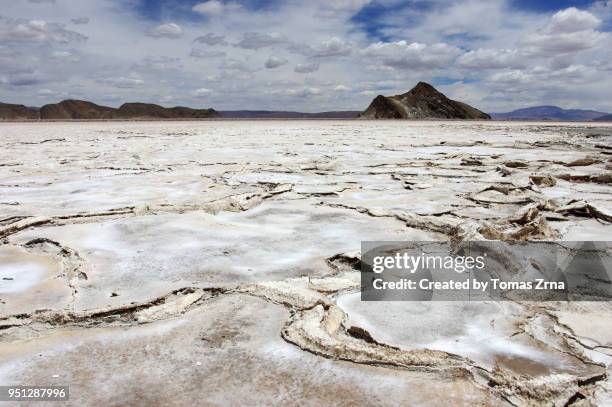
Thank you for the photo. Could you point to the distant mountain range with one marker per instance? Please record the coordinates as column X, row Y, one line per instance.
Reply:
column 551, row 113
column 604, row 118
column 421, row 102
column 272, row 114
column 83, row 110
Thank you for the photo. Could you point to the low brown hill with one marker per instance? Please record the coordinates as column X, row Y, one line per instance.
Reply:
column 83, row 110
column 17, row 112
column 77, row 109
column 149, row 110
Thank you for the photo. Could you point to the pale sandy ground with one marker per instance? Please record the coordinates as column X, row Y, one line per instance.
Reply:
column 213, row 263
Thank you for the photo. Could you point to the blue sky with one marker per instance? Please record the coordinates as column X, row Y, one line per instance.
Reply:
column 306, row 55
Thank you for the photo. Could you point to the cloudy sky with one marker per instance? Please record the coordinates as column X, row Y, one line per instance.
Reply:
column 310, row 55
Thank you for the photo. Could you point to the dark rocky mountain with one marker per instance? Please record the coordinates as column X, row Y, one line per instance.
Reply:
column 604, row 118
column 549, row 113
column 421, row 102
column 271, row 114
column 16, row 112
column 83, row 110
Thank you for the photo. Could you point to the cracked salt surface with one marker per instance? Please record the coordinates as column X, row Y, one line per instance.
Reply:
column 482, row 331
column 205, row 229
column 29, row 281
column 148, row 255
column 28, row 274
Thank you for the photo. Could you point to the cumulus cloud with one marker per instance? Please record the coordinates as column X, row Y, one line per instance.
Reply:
column 200, row 53
column 211, row 39
column 568, row 31
column 304, row 92
column 492, row 59
column 214, row 7
column 404, row 55
column 330, row 48
column 167, row 30
column 342, row 88
column 514, row 76
column 202, row 92
column 575, row 73
column 22, row 30
column 274, row 62
column 307, row 68
column 572, row 20
column 333, row 47
column 255, row 40
column 544, row 44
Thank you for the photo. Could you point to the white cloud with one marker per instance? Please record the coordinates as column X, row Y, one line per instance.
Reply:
column 304, row 92
column 572, row 20
column 274, row 62
column 333, row 47
column 545, row 76
column 255, row 40
column 329, row 48
column 568, row 31
column 167, row 30
column 567, row 43
column 492, row 59
column 331, row 9
column 307, row 68
column 211, row 39
column 61, row 54
column 210, row 7
column 515, row 76
column 202, row 92
column 214, row 7
column 404, row 55
column 342, row 88
column 368, row 93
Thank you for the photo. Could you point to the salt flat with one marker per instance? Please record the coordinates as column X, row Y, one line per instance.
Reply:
column 214, row 262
